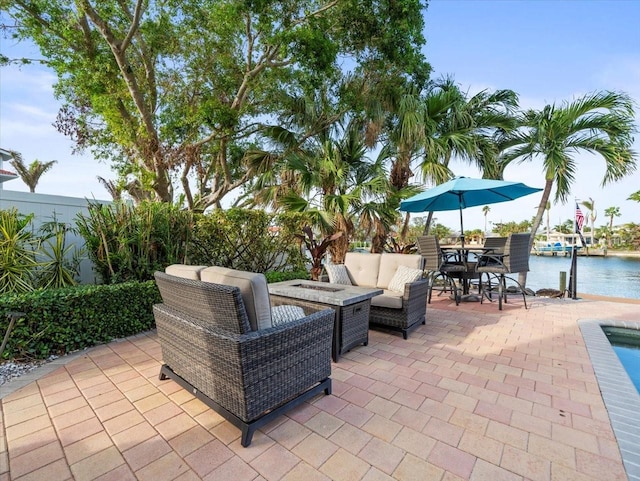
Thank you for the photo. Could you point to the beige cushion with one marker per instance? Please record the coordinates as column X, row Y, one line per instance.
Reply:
column 185, row 271
column 390, row 299
column 389, row 265
column 404, row 275
column 338, row 274
column 253, row 288
column 363, row 268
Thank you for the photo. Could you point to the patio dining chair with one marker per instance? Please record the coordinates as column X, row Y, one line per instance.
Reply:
column 494, row 244
column 512, row 260
column 440, row 267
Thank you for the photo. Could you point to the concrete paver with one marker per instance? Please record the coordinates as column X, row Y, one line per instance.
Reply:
column 476, row 394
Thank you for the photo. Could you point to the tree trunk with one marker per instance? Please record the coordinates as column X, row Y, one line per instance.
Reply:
column 379, row 238
column 427, row 226
column 522, row 276
column 339, row 247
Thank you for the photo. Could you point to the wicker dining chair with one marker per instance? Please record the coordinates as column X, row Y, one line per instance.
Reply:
column 496, row 265
column 494, row 244
column 439, row 266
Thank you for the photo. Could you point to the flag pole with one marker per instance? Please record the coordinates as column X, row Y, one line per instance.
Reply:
column 573, row 276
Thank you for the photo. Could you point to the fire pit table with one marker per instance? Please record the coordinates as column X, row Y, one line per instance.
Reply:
column 350, row 303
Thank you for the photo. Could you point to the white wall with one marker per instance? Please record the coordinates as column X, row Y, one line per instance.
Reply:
column 43, row 206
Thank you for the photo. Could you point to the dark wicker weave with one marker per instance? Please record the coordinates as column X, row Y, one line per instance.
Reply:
column 439, row 267
column 351, row 326
column 514, row 259
column 248, row 377
column 413, row 312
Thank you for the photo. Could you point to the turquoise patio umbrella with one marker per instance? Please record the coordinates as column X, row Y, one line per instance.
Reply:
column 462, row 192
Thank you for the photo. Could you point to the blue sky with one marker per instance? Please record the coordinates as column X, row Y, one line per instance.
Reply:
column 547, row 51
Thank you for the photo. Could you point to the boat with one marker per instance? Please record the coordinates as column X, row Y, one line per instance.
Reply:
column 554, row 248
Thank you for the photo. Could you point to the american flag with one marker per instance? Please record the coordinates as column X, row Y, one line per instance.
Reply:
column 579, row 219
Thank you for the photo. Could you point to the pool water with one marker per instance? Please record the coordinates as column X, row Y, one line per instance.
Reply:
column 626, row 344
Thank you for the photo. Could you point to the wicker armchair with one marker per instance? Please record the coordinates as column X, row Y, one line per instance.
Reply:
column 248, row 376
column 514, row 259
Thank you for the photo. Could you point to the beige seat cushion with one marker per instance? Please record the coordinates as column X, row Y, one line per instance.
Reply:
column 185, row 271
column 363, row 268
column 391, row 299
column 253, row 288
column 389, row 265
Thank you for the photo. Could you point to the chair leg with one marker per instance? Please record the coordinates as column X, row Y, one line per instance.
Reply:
column 457, row 294
column 503, row 291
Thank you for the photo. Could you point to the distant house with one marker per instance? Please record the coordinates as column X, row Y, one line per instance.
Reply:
column 6, row 175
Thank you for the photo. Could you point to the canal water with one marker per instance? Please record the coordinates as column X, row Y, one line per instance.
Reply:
column 605, row 276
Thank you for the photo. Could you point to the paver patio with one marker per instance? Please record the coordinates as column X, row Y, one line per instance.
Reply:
column 476, row 394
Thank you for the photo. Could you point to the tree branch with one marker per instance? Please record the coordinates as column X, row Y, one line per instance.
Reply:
column 137, row 15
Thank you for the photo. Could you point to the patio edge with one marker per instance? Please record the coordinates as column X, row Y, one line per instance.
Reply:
column 620, row 396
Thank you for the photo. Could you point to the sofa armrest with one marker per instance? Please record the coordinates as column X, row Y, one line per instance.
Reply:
column 415, row 289
column 415, row 294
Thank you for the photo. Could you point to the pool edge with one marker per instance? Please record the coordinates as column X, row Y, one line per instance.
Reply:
column 618, row 392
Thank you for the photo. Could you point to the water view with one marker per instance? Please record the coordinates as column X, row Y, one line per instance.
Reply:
column 605, row 276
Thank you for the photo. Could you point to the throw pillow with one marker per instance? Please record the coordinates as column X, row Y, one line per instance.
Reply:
column 283, row 314
column 403, row 276
column 338, row 274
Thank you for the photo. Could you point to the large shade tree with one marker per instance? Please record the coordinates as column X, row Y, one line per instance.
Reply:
column 173, row 89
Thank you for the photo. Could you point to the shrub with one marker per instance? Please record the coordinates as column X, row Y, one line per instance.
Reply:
column 17, row 252
column 286, row 276
column 250, row 240
column 128, row 243
column 59, row 321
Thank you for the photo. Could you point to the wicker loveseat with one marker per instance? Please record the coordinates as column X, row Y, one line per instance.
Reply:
column 401, row 307
column 213, row 346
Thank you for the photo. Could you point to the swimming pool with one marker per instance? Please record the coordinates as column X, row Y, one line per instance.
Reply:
column 620, row 396
column 626, row 344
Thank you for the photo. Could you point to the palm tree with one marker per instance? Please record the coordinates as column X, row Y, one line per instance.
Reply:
column 485, row 211
column 611, row 212
column 31, row 174
column 592, row 215
column 114, row 188
column 548, row 209
column 473, row 129
column 334, row 182
column 600, row 123
column 635, row 196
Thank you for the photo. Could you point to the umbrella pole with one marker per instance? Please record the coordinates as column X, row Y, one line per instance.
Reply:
column 461, row 228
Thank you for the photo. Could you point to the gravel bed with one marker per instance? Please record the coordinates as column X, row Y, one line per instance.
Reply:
column 10, row 369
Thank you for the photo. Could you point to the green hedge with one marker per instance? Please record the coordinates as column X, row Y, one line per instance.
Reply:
column 59, row 321
column 286, row 276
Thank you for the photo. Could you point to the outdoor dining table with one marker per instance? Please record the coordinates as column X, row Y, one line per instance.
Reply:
column 464, row 254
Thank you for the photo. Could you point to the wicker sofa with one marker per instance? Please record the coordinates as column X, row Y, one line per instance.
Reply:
column 219, row 343
column 400, row 309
